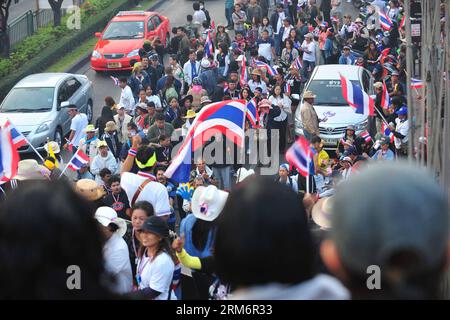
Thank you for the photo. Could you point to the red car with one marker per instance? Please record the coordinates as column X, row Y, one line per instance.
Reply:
column 124, row 36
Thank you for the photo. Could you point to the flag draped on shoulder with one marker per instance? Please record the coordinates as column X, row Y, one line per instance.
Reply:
column 9, row 157
column 356, row 97
column 224, row 117
column 300, row 156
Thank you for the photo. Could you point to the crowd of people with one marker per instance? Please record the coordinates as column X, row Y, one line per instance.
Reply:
column 139, row 234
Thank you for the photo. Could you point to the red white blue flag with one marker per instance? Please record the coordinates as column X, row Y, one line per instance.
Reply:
column 357, row 98
column 270, row 70
column 9, row 157
column 297, row 64
column 252, row 113
column 244, row 75
column 209, row 46
column 416, row 83
column 78, row 160
column 225, row 117
column 385, row 98
column 385, row 21
column 366, row 136
column 18, row 138
column 115, row 80
column 387, row 132
column 300, row 156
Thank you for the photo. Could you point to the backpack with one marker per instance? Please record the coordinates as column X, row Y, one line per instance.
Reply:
column 170, row 93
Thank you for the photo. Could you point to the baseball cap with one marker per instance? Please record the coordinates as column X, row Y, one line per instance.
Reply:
column 403, row 111
column 155, row 225
column 384, row 140
column 367, row 231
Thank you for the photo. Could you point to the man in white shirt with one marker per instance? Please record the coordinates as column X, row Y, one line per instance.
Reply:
column 191, row 68
column 104, row 159
column 126, row 97
column 266, row 47
column 309, row 55
column 115, row 250
column 122, row 120
column 400, row 132
column 143, row 185
column 199, row 15
column 79, row 122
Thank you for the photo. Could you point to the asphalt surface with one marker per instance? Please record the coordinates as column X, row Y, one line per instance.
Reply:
column 176, row 11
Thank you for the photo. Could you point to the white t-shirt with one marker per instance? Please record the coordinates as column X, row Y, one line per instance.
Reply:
column 311, row 47
column 157, row 275
column 117, row 263
column 154, row 192
column 198, row 17
column 155, row 100
column 78, row 124
column 127, row 99
column 402, row 128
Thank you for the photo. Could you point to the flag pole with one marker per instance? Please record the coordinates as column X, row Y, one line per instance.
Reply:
column 34, row 149
column 307, row 177
column 67, row 165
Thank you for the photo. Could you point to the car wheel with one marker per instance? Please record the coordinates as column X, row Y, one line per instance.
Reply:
column 58, row 138
column 167, row 40
column 89, row 111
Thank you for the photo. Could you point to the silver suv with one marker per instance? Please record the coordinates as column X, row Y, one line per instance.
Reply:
column 37, row 106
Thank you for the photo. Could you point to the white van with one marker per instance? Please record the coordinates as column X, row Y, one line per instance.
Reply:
column 325, row 83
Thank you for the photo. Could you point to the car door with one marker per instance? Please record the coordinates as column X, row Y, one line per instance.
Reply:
column 158, row 28
column 150, row 28
column 63, row 118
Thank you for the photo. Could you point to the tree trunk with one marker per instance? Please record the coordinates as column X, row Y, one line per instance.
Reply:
column 56, row 17
column 4, row 45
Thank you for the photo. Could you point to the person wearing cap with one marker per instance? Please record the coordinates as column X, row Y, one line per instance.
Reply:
column 156, row 261
column 349, row 136
column 115, row 250
column 104, row 159
column 384, row 153
column 411, row 252
column 88, row 144
column 395, row 87
column 285, row 179
column 400, row 132
column 208, row 76
column 111, row 137
column 53, row 146
column 310, row 120
column 156, row 70
column 347, row 56
column 309, row 55
column 122, row 119
column 143, row 185
column 347, row 168
column 256, row 81
column 79, row 121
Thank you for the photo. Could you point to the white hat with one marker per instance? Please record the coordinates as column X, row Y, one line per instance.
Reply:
column 107, row 215
column 205, row 63
column 29, row 169
column 208, row 202
column 240, row 58
column 243, row 173
column 321, row 213
column 54, row 145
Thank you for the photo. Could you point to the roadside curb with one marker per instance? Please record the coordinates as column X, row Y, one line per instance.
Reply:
column 85, row 58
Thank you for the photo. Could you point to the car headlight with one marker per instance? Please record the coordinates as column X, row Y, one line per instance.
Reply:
column 96, row 54
column 361, row 126
column 133, row 53
column 43, row 127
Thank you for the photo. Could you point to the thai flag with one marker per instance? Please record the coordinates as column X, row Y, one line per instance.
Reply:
column 270, row 70
column 244, row 75
column 252, row 113
column 78, row 160
column 357, row 98
column 300, row 155
column 225, row 117
column 209, row 47
column 416, row 83
column 298, row 64
column 9, row 157
column 287, row 88
column 385, row 21
column 387, row 132
column 116, row 80
column 18, row 138
column 366, row 136
column 385, row 98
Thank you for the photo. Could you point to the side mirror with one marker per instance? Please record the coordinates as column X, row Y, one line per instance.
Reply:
column 98, row 35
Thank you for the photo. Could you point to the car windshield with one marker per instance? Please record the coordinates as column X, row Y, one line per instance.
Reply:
column 328, row 92
column 29, row 100
column 124, row 30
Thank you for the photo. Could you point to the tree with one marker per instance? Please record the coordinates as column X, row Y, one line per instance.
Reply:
column 56, row 8
column 4, row 38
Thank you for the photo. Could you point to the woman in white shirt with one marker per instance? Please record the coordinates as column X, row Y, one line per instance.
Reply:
column 156, row 264
column 281, row 100
column 309, row 55
column 256, row 82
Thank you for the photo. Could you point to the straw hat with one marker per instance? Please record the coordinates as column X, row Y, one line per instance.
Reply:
column 205, row 99
column 256, row 72
column 321, row 213
column 54, row 145
column 90, row 128
column 309, row 95
column 190, row 114
column 208, row 202
column 30, row 170
column 101, row 143
column 110, row 126
column 89, row 189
